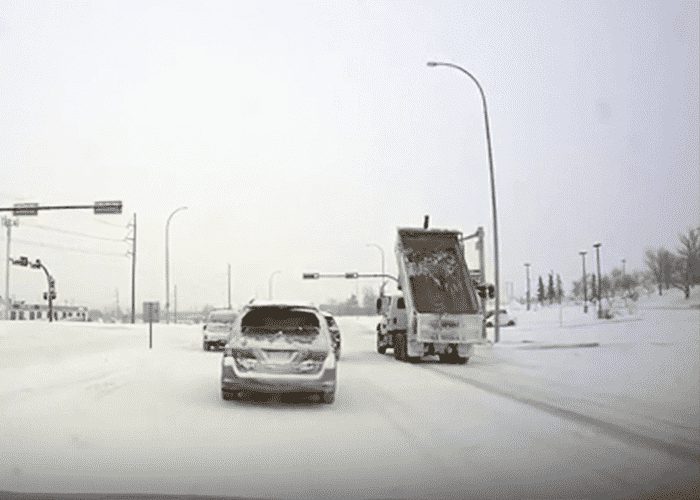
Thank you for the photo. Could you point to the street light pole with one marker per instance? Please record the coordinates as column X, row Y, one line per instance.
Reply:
column 229, row 286
column 167, row 263
column 583, row 253
column 493, row 191
column 269, row 283
column 597, row 258
column 381, row 290
column 527, row 278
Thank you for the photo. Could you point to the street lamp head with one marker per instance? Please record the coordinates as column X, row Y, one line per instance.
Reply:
column 582, row 252
column 597, row 245
column 527, row 264
column 432, row 64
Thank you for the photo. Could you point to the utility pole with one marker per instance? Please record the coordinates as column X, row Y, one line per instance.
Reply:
column 527, row 279
column 8, row 222
column 229, row 286
column 133, row 270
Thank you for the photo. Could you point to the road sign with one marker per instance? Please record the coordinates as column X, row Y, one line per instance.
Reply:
column 151, row 312
column 108, row 207
column 25, row 209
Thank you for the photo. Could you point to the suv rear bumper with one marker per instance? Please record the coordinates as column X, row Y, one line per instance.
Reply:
column 232, row 383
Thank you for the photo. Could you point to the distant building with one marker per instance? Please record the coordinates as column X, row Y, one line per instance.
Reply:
column 33, row 312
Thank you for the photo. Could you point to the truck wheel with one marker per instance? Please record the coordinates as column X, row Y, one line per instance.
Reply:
column 398, row 347
column 381, row 346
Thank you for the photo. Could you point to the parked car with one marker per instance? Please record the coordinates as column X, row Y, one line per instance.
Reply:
column 217, row 328
column 279, row 347
column 504, row 319
column 335, row 332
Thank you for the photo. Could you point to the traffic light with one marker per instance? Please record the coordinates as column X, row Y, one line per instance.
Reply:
column 22, row 261
column 351, row 276
column 486, row 291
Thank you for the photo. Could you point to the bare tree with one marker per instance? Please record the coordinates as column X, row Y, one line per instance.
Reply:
column 661, row 265
column 686, row 261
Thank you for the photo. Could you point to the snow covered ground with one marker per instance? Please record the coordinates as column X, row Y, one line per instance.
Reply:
column 591, row 408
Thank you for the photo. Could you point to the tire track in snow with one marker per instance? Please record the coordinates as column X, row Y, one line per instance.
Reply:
column 617, row 431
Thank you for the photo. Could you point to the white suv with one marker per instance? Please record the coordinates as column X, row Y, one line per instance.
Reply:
column 217, row 329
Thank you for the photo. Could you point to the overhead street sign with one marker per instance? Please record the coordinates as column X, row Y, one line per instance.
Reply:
column 108, row 207
column 25, row 209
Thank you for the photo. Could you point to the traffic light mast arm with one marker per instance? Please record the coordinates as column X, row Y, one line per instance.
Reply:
column 349, row 275
column 377, row 275
column 100, row 207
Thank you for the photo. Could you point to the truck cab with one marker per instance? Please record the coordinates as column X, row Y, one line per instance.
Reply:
column 394, row 320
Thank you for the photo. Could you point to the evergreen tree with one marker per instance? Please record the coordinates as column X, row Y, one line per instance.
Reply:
column 560, row 291
column 550, row 289
column 540, row 291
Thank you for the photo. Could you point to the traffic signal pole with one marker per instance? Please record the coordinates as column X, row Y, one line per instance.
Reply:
column 51, row 294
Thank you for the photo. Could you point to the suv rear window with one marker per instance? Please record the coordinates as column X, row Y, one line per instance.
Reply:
column 277, row 318
column 222, row 317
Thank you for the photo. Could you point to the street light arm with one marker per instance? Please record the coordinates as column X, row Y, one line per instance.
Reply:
column 173, row 213
column 433, row 64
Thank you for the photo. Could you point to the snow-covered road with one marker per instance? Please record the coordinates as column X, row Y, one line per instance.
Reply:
column 88, row 408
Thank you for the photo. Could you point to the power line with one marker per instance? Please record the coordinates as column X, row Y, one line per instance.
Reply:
column 75, row 233
column 110, row 223
column 70, row 249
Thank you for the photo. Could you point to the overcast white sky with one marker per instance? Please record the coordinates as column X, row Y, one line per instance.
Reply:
column 298, row 132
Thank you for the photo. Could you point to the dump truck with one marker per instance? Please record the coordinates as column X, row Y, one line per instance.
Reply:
column 438, row 311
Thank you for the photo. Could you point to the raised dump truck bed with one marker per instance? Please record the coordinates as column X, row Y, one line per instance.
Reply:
column 442, row 307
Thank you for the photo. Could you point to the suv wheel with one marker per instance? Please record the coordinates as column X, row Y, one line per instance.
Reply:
column 328, row 397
